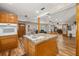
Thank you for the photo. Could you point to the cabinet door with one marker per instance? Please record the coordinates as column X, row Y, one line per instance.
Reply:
column 8, row 17
column 12, row 18
column 8, row 42
column 47, row 48
column 3, row 18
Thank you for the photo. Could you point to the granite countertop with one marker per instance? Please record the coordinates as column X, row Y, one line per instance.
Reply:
column 37, row 38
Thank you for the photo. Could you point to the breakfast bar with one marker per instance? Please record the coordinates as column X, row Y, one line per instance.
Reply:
column 40, row 44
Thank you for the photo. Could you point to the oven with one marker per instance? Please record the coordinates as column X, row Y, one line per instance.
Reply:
column 8, row 29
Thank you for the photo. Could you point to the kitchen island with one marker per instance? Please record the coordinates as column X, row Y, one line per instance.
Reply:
column 40, row 44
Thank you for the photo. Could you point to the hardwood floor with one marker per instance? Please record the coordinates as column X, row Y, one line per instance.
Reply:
column 69, row 48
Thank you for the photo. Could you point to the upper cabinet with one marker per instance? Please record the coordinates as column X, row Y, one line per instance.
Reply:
column 6, row 17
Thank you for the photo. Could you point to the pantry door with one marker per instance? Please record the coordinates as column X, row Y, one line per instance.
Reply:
column 21, row 30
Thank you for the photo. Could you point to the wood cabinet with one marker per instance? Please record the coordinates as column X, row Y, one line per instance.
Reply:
column 6, row 17
column 77, row 32
column 45, row 48
column 8, row 42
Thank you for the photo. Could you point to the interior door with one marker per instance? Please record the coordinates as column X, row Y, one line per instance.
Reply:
column 21, row 30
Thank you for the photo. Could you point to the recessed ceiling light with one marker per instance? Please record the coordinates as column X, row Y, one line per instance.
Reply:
column 37, row 11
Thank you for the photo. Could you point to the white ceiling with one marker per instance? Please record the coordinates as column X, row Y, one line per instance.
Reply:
column 59, row 11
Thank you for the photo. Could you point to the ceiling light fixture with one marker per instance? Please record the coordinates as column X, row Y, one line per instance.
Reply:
column 43, row 8
column 37, row 11
column 25, row 15
column 44, row 14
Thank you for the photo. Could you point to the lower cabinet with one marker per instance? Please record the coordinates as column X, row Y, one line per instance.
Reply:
column 8, row 42
column 46, row 48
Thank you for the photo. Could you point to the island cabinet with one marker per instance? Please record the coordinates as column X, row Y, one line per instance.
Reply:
column 6, row 17
column 47, row 48
column 43, row 48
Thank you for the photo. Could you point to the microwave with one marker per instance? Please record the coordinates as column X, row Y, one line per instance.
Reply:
column 8, row 29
